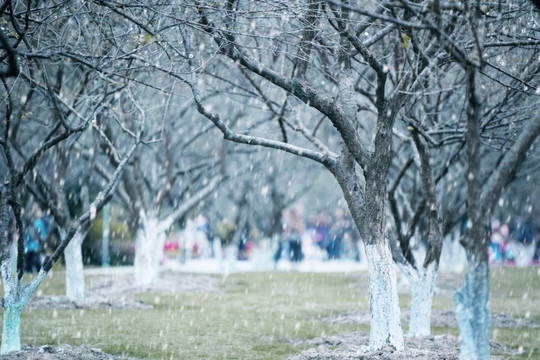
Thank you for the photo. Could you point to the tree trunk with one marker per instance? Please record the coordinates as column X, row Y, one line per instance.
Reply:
column 74, row 267
column 11, row 332
column 422, row 285
column 471, row 304
column 149, row 242
column 383, row 300
column 471, row 301
column 15, row 298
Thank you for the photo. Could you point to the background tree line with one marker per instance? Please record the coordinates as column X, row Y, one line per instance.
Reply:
column 422, row 112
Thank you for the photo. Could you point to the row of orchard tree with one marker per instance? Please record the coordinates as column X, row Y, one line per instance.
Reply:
column 422, row 112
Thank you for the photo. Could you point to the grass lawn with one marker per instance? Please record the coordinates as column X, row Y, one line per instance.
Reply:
column 255, row 316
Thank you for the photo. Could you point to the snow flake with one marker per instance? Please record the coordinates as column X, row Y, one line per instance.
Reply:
column 93, row 211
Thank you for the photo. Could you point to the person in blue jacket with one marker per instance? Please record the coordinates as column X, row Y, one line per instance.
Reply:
column 34, row 237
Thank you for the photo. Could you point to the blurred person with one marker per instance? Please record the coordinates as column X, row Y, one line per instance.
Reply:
column 496, row 242
column 283, row 249
column 243, row 241
column 521, row 247
column 292, row 228
column 225, row 231
column 322, row 230
column 34, row 236
column 504, row 230
column 297, row 227
column 202, row 237
column 340, row 234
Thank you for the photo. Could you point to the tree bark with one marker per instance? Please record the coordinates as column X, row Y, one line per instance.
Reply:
column 471, row 304
column 11, row 332
column 422, row 278
column 471, row 301
column 74, row 267
column 15, row 298
column 149, row 242
column 384, row 304
column 422, row 285
column 383, row 298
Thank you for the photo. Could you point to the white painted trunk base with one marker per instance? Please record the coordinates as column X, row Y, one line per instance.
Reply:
column 422, row 285
column 11, row 332
column 15, row 298
column 383, row 299
column 471, row 305
column 14, row 301
column 74, row 267
column 149, row 242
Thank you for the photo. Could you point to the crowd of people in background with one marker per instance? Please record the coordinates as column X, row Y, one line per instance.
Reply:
column 331, row 237
column 325, row 236
column 319, row 235
column 514, row 243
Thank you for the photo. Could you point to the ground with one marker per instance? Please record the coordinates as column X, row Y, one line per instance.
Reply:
column 63, row 352
column 337, row 347
column 116, row 292
column 353, row 346
column 439, row 318
column 265, row 315
column 107, row 292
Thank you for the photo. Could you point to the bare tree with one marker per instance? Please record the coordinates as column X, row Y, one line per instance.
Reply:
column 163, row 193
column 16, row 293
column 39, row 119
column 496, row 92
column 281, row 75
column 370, row 84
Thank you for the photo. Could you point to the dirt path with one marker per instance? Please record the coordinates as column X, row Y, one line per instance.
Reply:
column 354, row 346
column 445, row 318
column 116, row 292
column 169, row 282
column 61, row 352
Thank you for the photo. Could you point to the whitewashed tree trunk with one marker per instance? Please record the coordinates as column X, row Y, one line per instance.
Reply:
column 471, row 304
column 11, row 332
column 15, row 298
column 383, row 300
column 149, row 242
column 74, row 267
column 422, row 285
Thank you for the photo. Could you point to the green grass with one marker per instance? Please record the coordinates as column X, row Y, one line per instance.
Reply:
column 516, row 292
column 251, row 319
column 256, row 316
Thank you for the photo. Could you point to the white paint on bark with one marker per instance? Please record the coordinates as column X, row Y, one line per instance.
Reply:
column 149, row 242
column 383, row 298
column 11, row 332
column 471, row 305
column 422, row 285
column 74, row 267
column 14, row 300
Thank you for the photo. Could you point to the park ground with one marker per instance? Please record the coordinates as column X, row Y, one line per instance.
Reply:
column 259, row 315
